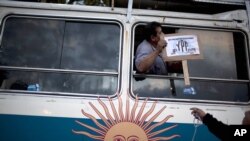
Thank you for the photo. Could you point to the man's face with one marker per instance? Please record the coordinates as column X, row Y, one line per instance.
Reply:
column 159, row 35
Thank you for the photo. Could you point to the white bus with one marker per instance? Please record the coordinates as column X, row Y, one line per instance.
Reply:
column 67, row 71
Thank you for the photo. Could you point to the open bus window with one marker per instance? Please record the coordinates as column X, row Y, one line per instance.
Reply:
column 159, row 66
column 221, row 76
column 63, row 56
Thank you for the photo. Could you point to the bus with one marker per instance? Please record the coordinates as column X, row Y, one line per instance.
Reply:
column 58, row 82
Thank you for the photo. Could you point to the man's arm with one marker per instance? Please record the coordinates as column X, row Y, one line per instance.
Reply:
column 147, row 62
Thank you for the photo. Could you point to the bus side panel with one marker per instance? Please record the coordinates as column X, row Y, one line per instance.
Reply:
column 38, row 128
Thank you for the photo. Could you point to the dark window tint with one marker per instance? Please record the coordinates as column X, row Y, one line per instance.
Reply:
column 91, row 46
column 56, row 82
column 205, row 90
column 31, row 43
column 218, row 55
column 86, row 52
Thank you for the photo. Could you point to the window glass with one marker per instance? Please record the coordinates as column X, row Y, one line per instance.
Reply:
column 31, row 43
column 167, row 88
column 222, row 74
column 56, row 82
column 218, row 54
column 59, row 45
column 91, row 46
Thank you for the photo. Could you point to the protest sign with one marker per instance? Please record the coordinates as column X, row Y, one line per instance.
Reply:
column 181, row 47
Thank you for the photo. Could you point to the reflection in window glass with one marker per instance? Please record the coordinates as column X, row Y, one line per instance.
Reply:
column 153, row 88
column 216, row 46
column 31, row 43
column 56, row 82
column 52, row 44
column 218, row 91
column 91, row 46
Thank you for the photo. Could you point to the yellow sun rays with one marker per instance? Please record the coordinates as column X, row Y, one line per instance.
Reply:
column 128, row 117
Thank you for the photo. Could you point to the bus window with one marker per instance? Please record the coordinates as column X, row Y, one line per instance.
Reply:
column 221, row 76
column 31, row 43
column 91, row 46
column 62, row 56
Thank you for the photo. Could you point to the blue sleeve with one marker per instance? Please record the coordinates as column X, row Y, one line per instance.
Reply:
column 142, row 52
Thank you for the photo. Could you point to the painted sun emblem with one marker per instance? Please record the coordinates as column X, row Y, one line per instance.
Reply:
column 127, row 126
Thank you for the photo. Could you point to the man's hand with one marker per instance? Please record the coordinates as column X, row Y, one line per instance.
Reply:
column 161, row 45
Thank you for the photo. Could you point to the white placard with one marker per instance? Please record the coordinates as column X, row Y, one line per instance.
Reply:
column 183, row 45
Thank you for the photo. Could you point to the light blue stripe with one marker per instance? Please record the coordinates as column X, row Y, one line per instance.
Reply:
column 36, row 128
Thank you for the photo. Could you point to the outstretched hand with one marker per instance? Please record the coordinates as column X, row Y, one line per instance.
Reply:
column 198, row 112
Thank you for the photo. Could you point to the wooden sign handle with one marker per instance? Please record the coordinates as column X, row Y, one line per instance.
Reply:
column 185, row 72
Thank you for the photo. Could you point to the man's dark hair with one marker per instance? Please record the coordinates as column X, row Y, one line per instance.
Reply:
column 150, row 29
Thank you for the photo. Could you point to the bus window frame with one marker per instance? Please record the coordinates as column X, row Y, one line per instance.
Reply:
column 132, row 72
column 118, row 74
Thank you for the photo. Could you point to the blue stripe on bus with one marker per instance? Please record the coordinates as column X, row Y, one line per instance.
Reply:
column 38, row 128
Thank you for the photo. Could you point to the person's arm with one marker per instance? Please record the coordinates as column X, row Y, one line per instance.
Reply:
column 216, row 127
column 147, row 62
